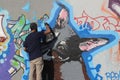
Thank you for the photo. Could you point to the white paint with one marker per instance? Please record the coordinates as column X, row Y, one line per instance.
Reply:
column 2, row 33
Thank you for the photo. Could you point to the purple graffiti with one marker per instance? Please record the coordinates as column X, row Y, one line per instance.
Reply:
column 7, row 47
column 6, row 65
column 114, row 5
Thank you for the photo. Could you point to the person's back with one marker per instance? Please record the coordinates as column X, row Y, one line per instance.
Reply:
column 32, row 45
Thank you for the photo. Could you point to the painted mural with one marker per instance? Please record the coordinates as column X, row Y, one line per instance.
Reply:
column 85, row 45
column 102, row 62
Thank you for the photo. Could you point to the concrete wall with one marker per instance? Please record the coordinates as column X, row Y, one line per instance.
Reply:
column 33, row 8
column 102, row 15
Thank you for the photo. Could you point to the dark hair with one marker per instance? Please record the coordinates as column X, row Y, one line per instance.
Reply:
column 47, row 24
column 33, row 26
column 50, row 29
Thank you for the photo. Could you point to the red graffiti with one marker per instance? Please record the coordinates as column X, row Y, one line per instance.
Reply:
column 99, row 23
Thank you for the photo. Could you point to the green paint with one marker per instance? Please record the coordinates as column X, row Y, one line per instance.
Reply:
column 19, row 58
column 15, row 64
column 17, row 28
column 25, row 29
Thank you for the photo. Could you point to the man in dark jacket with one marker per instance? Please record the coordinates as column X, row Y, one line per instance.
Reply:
column 32, row 45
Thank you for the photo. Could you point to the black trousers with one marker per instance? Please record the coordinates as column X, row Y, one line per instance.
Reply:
column 48, row 70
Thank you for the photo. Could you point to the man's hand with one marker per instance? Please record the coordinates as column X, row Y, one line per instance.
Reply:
column 25, row 49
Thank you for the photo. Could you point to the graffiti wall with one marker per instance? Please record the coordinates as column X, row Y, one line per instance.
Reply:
column 102, row 62
column 85, row 47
